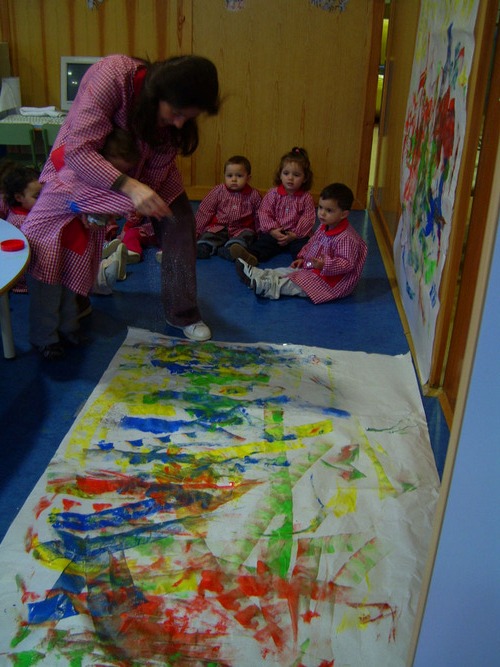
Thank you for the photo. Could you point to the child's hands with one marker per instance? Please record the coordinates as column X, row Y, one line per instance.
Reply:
column 280, row 236
column 297, row 263
column 289, row 237
column 315, row 263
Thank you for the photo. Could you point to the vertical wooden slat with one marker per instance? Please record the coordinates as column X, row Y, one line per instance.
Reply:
column 375, row 46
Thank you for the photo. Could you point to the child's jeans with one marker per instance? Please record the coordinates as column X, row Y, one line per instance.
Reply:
column 53, row 310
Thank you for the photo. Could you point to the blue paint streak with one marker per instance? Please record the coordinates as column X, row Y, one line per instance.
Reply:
column 53, row 608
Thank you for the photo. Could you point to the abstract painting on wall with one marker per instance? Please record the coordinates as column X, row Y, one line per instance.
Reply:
column 432, row 149
column 227, row 504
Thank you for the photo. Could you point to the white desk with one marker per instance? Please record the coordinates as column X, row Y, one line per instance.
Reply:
column 12, row 267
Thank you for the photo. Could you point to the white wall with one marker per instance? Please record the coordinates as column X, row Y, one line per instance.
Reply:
column 461, row 626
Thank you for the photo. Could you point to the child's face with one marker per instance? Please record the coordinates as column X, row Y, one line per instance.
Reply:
column 236, row 177
column 292, row 177
column 329, row 213
column 28, row 197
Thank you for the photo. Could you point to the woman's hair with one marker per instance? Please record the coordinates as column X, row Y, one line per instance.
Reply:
column 183, row 82
column 300, row 156
column 15, row 180
column 340, row 193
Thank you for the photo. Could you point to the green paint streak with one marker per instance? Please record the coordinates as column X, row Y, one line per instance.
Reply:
column 407, row 486
column 302, row 649
column 358, row 566
column 20, row 636
column 280, row 539
column 26, row 658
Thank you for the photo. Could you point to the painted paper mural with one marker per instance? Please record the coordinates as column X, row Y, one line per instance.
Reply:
column 219, row 504
column 432, row 149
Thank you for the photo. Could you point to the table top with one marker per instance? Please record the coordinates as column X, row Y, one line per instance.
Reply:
column 12, row 264
column 13, row 116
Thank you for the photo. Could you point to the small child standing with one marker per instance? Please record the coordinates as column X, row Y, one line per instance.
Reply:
column 227, row 216
column 286, row 214
column 20, row 189
column 328, row 266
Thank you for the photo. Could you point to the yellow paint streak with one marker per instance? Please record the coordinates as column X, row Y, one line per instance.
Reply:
column 313, row 430
column 50, row 560
column 344, row 501
column 156, row 409
column 385, row 487
column 351, row 621
column 240, row 451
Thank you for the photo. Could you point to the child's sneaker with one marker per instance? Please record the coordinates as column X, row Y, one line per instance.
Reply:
column 109, row 247
column 239, row 252
column 133, row 257
column 121, row 256
column 106, row 277
column 159, row 256
column 244, row 272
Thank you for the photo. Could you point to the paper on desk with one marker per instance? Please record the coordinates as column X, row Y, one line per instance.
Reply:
column 40, row 111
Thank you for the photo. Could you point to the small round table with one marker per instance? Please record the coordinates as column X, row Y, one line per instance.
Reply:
column 12, row 266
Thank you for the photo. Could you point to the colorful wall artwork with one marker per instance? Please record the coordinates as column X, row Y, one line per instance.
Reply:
column 432, row 149
column 219, row 504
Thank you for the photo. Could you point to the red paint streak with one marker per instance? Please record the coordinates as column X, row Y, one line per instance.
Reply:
column 29, row 539
column 95, row 486
column 230, row 600
column 308, row 616
column 380, row 611
column 250, row 587
column 27, row 596
column 69, row 504
column 247, row 617
column 210, row 581
column 41, row 506
column 99, row 507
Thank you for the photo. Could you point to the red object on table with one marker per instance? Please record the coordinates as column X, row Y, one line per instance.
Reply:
column 11, row 245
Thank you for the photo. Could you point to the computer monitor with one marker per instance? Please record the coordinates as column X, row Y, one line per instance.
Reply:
column 72, row 70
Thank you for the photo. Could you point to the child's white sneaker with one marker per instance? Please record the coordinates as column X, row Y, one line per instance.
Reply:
column 120, row 255
column 106, row 277
column 133, row 257
column 109, row 247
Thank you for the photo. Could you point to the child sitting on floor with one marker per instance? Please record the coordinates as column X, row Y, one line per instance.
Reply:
column 20, row 188
column 227, row 216
column 286, row 214
column 328, row 267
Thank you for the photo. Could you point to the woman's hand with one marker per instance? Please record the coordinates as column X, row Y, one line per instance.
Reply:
column 146, row 201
